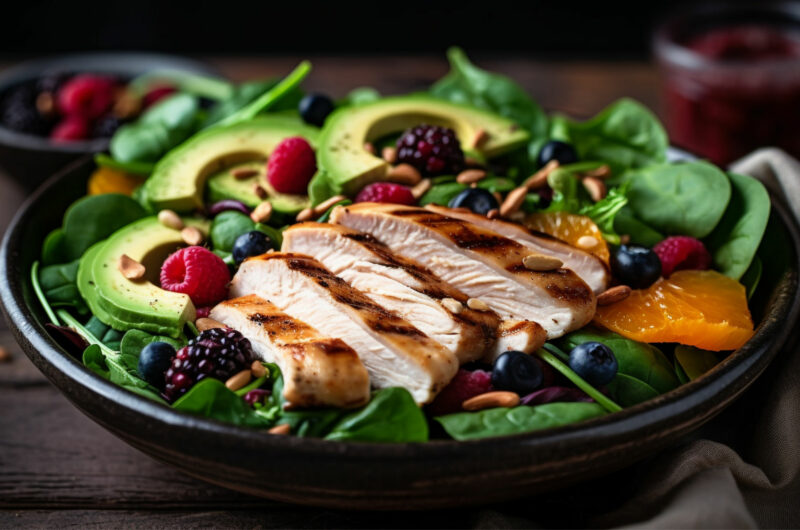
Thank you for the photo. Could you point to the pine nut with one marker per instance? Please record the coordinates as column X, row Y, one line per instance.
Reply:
column 239, row 380
column 491, row 400
column 539, row 179
column 596, row 188
column 305, row 215
column 5, row 355
column 282, row 429
column 452, row 305
column 45, row 103
column 130, row 268
column 624, row 239
column 602, row 172
column 205, row 323
column 421, row 189
column 479, row 139
column 586, row 242
column 260, row 192
column 477, row 305
column 257, row 369
column 170, row 219
column 322, row 207
column 262, row 213
column 469, row 176
column 369, row 148
column 243, row 173
column 389, row 154
column 404, row 174
column 494, row 213
column 192, row 235
column 541, row 263
column 613, row 295
column 513, row 201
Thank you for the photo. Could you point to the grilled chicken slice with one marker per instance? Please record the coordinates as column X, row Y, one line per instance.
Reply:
column 590, row 268
column 318, row 371
column 478, row 262
column 394, row 352
column 410, row 290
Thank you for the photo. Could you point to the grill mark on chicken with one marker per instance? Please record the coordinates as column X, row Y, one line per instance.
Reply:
column 516, row 328
column 334, row 346
column 459, row 232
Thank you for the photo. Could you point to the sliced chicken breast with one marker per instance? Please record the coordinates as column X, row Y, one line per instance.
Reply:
column 394, row 352
column 590, row 268
column 478, row 262
column 318, row 371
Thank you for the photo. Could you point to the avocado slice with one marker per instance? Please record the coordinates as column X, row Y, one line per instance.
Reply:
column 179, row 179
column 124, row 304
column 350, row 167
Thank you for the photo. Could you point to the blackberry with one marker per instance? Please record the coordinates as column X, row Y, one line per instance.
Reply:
column 433, row 150
column 219, row 353
column 18, row 112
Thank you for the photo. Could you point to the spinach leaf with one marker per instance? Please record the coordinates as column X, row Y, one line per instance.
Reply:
column 245, row 94
column 568, row 194
column 314, row 423
column 629, row 391
column 752, row 276
column 94, row 360
column 188, row 82
column 687, row 198
column 135, row 340
column 497, row 184
column 735, row 240
column 605, row 211
column 682, row 377
column 137, row 168
column 641, row 234
column 226, row 227
column 442, row 194
column 104, row 333
column 59, row 284
column 390, row 416
column 212, row 399
column 635, row 359
column 53, row 247
column 361, row 96
column 693, row 361
column 552, row 356
column 506, row 421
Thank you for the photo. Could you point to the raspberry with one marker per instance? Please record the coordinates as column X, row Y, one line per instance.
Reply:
column 219, row 353
column 386, row 192
column 70, row 129
column 291, row 166
column 464, row 385
column 88, row 96
column 682, row 253
column 431, row 149
column 198, row 272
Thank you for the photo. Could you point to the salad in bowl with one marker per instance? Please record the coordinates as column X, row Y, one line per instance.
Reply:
column 453, row 263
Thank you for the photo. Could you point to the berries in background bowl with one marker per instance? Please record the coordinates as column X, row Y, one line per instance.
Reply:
column 478, row 200
column 682, row 253
column 291, row 166
column 516, row 371
column 635, row 266
column 594, row 362
column 70, row 129
column 314, row 108
column 466, row 384
column 86, row 95
column 387, row 192
column 433, row 150
column 557, row 150
column 197, row 272
column 219, row 353
column 154, row 360
column 252, row 243
column 18, row 111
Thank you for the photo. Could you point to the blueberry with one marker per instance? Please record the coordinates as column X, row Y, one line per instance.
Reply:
column 594, row 362
column 635, row 266
column 314, row 108
column 516, row 372
column 556, row 150
column 478, row 200
column 154, row 360
column 252, row 243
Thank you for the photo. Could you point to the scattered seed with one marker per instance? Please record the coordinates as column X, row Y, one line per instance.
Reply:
column 260, row 192
column 257, row 369
column 494, row 213
column 404, row 174
column 205, row 323
column 477, row 305
column 539, row 179
column 5, row 355
column 239, row 380
column 513, row 201
column 262, row 213
column 602, row 172
column 473, row 185
column 244, row 173
column 322, row 207
column 192, row 235
column 305, row 214
column 596, row 188
column 613, row 295
column 130, row 268
column 541, row 263
column 470, row 176
column 452, row 305
column 473, row 162
column 586, row 242
column 491, row 400
column 283, row 428
column 369, row 148
column 170, row 219
column 624, row 239
column 480, row 138
column 389, row 154
column 45, row 103
column 421, row 188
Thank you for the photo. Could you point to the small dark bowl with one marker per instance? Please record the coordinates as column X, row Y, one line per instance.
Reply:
column 389, row 476
column 30, row 159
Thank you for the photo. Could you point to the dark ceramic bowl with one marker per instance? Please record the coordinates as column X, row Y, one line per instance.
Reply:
column 30, row 159
column 397, row 476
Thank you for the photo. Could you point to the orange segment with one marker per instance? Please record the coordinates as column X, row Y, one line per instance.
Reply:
column 107, row 180
column 569, row 227
column 698, row 308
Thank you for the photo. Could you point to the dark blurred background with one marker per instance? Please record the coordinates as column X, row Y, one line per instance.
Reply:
column 561, row 29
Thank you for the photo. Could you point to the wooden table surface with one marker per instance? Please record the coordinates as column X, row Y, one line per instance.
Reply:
column 58, row 468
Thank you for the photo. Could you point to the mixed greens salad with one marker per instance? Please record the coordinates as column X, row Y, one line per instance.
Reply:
column 678, row 240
